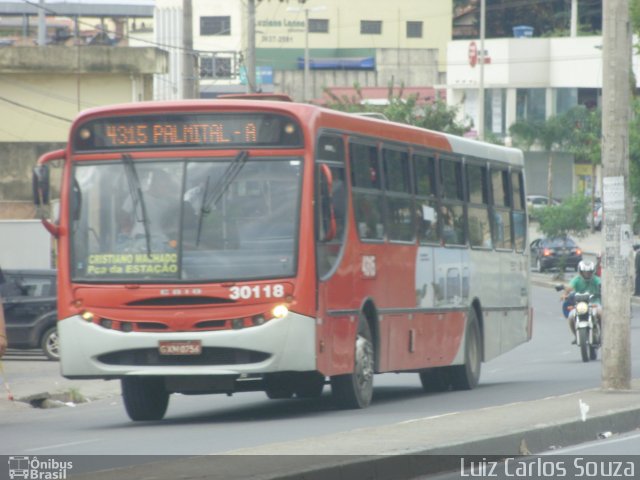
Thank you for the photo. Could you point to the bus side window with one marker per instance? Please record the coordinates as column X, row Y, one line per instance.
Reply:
column 519, row 216
column 501, row 209
column 399, row 211
column 426, row 202
column 478, row 209
column 367, row 194
column 331, row 202
column 452, row 206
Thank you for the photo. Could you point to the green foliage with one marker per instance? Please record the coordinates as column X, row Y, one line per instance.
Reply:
column 568, row 218
column 551, row 133
column 544, row 16
column 584, row 134
column 436, row 115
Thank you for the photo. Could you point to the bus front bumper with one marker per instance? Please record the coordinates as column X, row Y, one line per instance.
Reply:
column 91, row 351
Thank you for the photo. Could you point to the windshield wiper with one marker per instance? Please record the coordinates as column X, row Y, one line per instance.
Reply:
column 211, row 198
column 135, row 190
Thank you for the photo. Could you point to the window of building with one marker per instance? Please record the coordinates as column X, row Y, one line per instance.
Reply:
column 318, row 25
column 215, row 25
column 371, row 27
column 215, row 67
column 414, row 29
column 531, row 104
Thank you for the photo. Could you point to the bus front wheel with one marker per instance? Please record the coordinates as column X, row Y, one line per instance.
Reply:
column 355, row 390
column 145, row 398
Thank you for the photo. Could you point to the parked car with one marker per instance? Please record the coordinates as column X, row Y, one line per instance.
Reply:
column 548, row 253
column 30, row 310
column 535, row 202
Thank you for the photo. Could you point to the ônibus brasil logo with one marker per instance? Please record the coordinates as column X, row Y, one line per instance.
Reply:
column 32, row 468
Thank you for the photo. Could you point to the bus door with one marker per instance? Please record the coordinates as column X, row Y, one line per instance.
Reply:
column 334, row 283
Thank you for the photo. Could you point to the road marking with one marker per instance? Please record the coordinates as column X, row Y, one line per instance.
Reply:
column 62, row 445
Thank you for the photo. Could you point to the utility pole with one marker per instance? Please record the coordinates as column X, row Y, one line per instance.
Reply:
column 483, row 13
column 617, row 232
column 251, row 46
column 188, row 59
column 42, row 25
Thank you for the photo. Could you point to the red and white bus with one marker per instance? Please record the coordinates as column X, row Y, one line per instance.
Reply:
column 240, row 245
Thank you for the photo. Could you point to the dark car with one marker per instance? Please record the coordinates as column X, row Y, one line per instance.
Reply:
column 30, row 310
column 547, row 253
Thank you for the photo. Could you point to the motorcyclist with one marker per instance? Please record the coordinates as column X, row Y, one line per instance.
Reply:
column 585, row 281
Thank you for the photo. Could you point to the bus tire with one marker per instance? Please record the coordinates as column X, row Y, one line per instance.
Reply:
column 309, row 385
column 355, row 390
column 467, row 376
column 278, row 386
column 145, row 398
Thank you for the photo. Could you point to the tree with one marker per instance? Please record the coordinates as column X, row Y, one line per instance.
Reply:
column 436, row 115
column 547, row 17
column 549, row 134
column 561, row 221
column 585, row 133
column 568, row 218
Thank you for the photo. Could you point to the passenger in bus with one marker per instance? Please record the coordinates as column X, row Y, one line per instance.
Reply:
column 161, row 206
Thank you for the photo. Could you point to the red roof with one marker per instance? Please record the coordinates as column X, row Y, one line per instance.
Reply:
column 425, row 94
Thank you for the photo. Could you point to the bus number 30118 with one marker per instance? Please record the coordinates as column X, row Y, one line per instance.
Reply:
column 246, row 292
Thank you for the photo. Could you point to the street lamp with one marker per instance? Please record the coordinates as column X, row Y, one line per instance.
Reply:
column 305, row 80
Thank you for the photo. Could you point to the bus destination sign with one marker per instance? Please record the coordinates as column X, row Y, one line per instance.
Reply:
column 224, row 130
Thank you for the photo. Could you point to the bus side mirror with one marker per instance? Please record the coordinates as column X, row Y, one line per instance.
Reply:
column 40, row 184
column 327, row 215
column 41, row 187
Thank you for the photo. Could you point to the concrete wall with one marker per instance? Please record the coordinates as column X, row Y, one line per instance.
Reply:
column 416, row 67
column 536, row 166
column 42, row 89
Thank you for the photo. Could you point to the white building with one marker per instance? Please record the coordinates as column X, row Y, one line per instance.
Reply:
column 524, row 78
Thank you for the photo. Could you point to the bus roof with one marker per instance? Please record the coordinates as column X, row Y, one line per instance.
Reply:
column 360, row 125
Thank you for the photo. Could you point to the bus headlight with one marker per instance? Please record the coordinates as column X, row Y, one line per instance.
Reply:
column 280, row 311
column 87, row 316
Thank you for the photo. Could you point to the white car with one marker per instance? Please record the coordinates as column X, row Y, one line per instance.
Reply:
column 535, row 202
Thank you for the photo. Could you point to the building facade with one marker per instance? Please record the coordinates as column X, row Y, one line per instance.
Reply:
column 370, row 42
column 528, row 78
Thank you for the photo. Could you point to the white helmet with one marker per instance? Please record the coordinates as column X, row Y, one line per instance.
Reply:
column 586, row 268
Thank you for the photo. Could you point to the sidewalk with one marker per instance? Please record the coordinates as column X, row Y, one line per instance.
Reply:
column 419, row 447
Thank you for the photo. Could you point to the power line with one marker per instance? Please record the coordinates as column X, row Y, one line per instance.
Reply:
column 41, row 112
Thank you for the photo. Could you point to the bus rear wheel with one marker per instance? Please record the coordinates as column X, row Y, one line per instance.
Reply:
column 467, row 376
column 355, row 390
column 145, row 398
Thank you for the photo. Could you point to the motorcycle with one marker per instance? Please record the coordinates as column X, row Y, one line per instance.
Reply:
column 588, row 334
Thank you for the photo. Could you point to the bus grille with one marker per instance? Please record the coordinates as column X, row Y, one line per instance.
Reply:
column 209, row 356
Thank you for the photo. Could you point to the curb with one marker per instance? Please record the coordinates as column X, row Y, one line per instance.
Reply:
column 410, row 449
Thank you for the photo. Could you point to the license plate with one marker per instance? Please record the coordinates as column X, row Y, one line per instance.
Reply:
column 189, row 347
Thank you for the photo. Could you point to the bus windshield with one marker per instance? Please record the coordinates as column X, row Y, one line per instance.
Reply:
column 221, row 219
